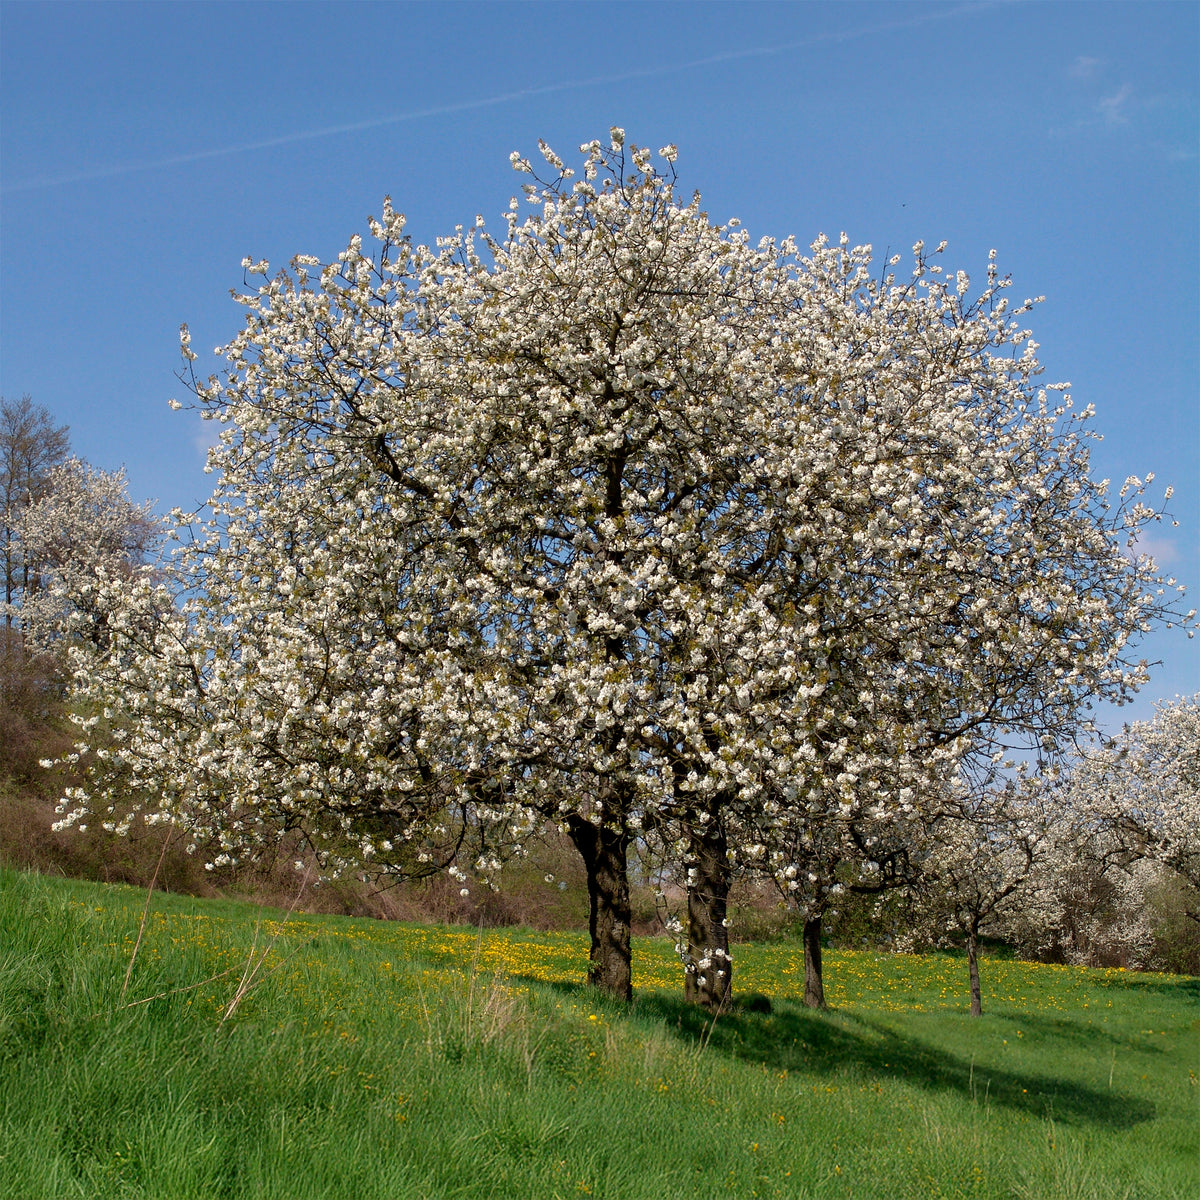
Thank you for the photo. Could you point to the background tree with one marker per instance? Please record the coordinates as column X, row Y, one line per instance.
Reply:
column 1144, row 791
column 1123, row 880
column 83, row 529
column 1090, row 912
column 982, row 857
column 31, row 445
column 67, row 526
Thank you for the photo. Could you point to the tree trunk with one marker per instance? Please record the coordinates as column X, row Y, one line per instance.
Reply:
column 708, row 981
column 814, row 986
column 973, row 967
column 604, row 852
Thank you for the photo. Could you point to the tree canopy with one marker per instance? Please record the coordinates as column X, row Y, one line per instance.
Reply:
column 625, row 522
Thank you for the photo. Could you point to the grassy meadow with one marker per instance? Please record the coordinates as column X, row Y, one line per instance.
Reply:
column 251, row 1056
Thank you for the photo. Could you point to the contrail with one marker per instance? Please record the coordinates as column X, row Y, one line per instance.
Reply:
column 417, row 114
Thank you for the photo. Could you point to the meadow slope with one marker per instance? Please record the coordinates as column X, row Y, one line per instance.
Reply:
column 386, row 1061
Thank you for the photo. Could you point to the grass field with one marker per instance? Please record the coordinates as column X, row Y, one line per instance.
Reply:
column 375, row 1061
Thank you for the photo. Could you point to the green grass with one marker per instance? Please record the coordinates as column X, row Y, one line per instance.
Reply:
column 383, row 1061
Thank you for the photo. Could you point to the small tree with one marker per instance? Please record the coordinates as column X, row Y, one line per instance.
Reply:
column 828, row 856
column 983, row 858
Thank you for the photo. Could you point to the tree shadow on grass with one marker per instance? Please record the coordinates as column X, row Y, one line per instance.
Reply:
column 1184, row 988
column 834, row 1043
column 791, row 1038
column 1078, row 1035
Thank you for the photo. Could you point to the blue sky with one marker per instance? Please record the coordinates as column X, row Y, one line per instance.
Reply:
column 146, row 148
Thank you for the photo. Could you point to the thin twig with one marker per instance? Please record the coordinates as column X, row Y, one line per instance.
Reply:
column 145, row 912
column 175, row 991
column 706, row 1034
column 287, row 958
column 252, row 967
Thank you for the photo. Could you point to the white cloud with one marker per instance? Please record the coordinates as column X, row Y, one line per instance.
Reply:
column 1112, row 108
column 1084, row 67
column 208, row 436
column 1162, row 549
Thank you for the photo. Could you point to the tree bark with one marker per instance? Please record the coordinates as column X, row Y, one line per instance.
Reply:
column 814, row 985
column 973, row 968
column 708, row 981
column 604, row 851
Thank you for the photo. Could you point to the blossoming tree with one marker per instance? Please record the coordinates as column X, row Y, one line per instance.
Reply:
column 619, row 521
column 968, row 585
column 983, row 859
column 1139, row 797
column 81, row 532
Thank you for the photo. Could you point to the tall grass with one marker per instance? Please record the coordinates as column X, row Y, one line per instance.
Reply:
column 379, row 1060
